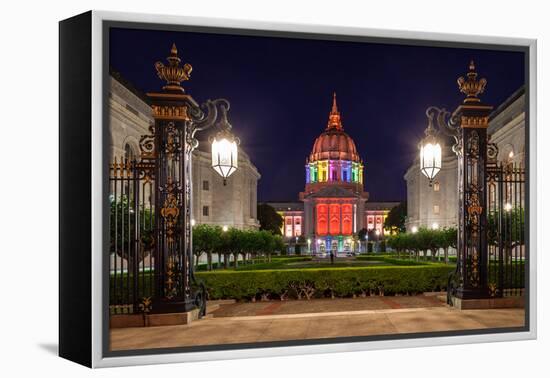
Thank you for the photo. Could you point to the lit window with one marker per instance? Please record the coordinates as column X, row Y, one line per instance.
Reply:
column 297, row 226
column 288, row 227
column 436, row 186
column 436, row 209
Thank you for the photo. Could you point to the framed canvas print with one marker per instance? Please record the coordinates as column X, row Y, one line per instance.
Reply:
column 236, row 189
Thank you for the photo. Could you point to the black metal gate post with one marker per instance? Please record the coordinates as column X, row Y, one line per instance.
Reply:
column 177, row 118
column 172, row 259
column 472, row 197
column 491, row 221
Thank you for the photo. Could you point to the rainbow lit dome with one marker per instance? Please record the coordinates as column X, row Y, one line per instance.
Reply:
column 334, row 158
column 334, row 144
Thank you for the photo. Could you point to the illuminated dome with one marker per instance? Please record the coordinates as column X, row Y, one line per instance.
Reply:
column 334, row 158
column 334, row 143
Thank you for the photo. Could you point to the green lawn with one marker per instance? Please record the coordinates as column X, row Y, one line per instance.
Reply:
column 309, row 264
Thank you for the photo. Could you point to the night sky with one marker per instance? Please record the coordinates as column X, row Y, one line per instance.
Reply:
column 280, row 90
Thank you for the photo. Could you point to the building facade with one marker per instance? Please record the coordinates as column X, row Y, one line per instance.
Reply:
column 333, row 206
column 375, row 215
column 232, row 205
column 437, row 206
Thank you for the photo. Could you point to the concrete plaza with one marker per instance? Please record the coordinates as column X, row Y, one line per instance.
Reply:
column 317, row 319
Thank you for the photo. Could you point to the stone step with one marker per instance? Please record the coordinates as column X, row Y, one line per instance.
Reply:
column 210, row 308
column 221, row 301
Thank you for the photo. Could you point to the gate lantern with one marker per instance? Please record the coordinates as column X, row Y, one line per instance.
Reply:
column 225, row 148
column 430, row 152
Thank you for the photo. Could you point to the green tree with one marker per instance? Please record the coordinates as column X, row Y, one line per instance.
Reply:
column 449, row 240
column 206, row 239
column 277, row 244
column 395, row 221
column 414, row 241
column 512, row 226
column 234, row 244
column 248, row 238
column 226, row 246
column 426, row 240
column 395, row 242
column 270, row 220
column 265, row 243
column 122, row 225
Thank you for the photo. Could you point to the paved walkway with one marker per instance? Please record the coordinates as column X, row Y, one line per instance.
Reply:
column 327, row 305
column 275, row 321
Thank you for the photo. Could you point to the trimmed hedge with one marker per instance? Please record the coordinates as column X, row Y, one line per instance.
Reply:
column 328, row 282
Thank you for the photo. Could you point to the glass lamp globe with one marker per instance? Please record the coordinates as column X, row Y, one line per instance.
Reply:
column 225, row 154
column 430, row 158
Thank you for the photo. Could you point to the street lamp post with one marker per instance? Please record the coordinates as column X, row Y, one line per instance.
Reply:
column 468, row 127
column 168, row 151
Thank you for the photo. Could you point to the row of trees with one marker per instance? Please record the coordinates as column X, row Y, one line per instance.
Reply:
column 247, row 244
column 424, row 240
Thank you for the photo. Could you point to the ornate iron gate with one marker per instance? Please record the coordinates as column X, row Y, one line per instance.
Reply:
column 506, row 229
column 150, row 222
column 132, row 236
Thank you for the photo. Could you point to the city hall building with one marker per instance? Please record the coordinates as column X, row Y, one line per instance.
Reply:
column 333, row 206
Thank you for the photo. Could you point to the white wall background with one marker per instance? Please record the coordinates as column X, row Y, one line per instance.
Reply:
column 28, row 153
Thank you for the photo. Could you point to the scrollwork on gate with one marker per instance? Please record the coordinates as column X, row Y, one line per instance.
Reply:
column 147, row 145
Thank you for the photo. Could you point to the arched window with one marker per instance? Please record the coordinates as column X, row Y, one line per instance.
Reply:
column 322, row 221
column 510, row 156
column 347, row 219
column 334, row 221
column 129, row 153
